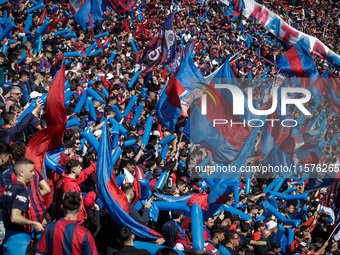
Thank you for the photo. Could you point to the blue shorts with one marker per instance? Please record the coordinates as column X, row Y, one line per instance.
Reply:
column 15, row 243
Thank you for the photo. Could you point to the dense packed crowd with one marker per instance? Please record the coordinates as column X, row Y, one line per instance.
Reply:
column 53, row 229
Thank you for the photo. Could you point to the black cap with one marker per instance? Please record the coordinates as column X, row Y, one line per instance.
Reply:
column 299, row 234
column 158, row 171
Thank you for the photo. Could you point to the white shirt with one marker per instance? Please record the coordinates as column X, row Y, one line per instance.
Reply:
column 129, row 178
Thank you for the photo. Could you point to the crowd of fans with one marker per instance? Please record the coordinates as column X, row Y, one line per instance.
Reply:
column 253, row 52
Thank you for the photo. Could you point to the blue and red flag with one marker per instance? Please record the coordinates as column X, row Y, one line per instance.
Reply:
column 51, row 137
column 235, row 7
column 56, row 118
column 223, row 140
column 297, row 61
column 174, row 101
column 77, row 4
column 125, row 7
column 308, row 141
column 161, row 49
column 333, row 92
column 332, row 201
column 111, row 195
column 95, row 7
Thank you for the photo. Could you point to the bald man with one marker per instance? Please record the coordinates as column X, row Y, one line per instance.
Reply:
column 268, row 237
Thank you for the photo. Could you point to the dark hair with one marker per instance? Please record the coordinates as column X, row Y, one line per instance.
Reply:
column 24, row 73
column 229, row 235
column 275, row 245
column 5, row 149
column 216, row 230
column 18, row 151
column 68, row 134
column 71, row 201
column 126, row 188
column 166, row 251
column 70, row 164
column 245, row 226
column 180, row 182
column 8, row 116
column 125, row 234
column 98, row 83
column 176, row 214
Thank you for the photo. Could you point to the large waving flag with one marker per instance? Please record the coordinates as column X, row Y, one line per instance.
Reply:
column 297, row 61
column 332, row 201
column 55, row 115
column 96, row 8
column 111, row 195
column 223, row 140
column 308, row 141
column 174, row 101
column 161, row 49
column 125, row 7
column 51, row 137
column 77, row 4
column 235, row 7
column 333, row 92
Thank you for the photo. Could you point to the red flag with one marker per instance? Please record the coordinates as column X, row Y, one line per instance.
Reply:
column 55, row 106
column 200, row 199
column 55, row 115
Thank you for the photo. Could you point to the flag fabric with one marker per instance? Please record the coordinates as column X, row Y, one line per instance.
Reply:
column 235, row 7
column 333, row 92
column 51, row 137
column 77, row 4
column 297, row 61
column 224, row 141
column 161, row 49
column 309, row 140
column 111, row 195
column 174, row 101
column 125, row 7
column 332, row 201
column 56, row 118
column 96, row 8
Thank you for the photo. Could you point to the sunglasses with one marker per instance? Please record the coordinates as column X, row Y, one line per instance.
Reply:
column 77, row 144
column 17, row 94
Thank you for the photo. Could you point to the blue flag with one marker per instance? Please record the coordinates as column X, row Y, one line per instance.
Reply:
column 161, row 49
column 96, row 8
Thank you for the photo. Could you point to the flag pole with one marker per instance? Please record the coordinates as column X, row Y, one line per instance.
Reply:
column 330, row 236
column 180, row 140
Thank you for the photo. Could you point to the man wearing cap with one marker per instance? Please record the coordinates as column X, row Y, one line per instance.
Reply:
column 301, row 249
column 298, row 238
column 157, row 172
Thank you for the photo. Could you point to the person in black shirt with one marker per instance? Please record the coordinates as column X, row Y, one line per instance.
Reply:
column 15, row 210
column 231, row 241
column 171, row 228
column 126, row 238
